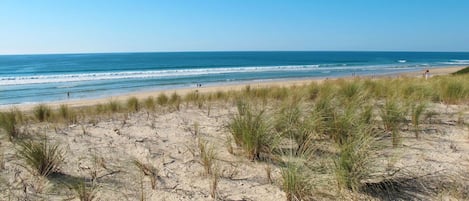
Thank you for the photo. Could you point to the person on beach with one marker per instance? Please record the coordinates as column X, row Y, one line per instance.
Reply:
column 426, row 74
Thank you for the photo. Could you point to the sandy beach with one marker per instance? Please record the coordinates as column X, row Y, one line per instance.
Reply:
column 162, row 154
column 223, row 87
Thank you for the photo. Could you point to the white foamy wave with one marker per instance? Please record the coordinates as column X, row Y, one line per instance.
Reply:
column 456, row 62
column 42, row 79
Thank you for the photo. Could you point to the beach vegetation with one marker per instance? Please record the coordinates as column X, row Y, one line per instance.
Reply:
column 354, row 161
column 295, row 183
column 67, row 114
column 453, row 91
column 149, row 103
column 42, row 157
column 42, row 112
column 85, row 191
column 417, row 110
column 207, row 156
column 252, row 131
column 9, row 122
column 113, row 106
column 162, row 99
column 149, row 171
column 393, row 114
column 133, row 104
column 462, row 71
column 175, row 100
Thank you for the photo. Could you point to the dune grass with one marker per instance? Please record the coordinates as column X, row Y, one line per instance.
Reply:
column 9, row 122
column 348, row 115
column 252, row 131
column 42, row 157
column 42, row 112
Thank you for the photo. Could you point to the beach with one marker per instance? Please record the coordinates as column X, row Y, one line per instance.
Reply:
column 224, row 88
column 187, row 151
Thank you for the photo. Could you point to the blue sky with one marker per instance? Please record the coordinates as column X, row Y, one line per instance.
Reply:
column 66, row 26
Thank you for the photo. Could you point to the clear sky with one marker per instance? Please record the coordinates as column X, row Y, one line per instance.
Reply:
column 66, row 26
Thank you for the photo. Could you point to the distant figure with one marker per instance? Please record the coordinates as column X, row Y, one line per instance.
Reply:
column 68, row 94
column 426, row 74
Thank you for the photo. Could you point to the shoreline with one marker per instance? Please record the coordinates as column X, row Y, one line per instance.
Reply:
column 220, row 87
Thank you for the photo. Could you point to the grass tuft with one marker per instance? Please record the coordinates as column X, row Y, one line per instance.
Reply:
column 253, row 133
column 9, row 121
column 42, row 112
column 42, row 158
column 133, row 104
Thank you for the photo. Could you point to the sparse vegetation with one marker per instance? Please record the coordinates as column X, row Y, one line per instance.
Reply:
column 43, row 158
column 9, row 121
column 334, row 134
column 42, row 112
column 253, row 133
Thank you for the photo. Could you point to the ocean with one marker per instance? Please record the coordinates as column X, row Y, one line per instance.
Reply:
column 26, row 79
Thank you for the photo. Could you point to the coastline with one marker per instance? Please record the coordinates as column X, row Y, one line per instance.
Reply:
column 219, row 87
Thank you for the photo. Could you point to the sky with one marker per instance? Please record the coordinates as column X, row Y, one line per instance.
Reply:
column 66, row 26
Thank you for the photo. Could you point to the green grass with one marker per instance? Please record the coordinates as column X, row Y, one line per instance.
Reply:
column 353, row 163
column 252, row 131
column 43, row 158
column 295, row 183
column 462, row 71
column 9, row 121
column 42, row 112
column 133, row 104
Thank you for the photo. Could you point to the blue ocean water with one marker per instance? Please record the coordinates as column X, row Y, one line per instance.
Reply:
column 44, row 78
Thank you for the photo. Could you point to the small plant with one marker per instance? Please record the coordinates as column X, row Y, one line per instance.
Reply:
column 133, row 104
column 417, row 111
column 353, row 162
column 268, row 174
column 149, row 171
column 162, row 99
column 295, row 183
column 85, row 192
column 9, row 123
column 175, row 100
column 43, row 158
column 214, row 184
column 149, row 103
column 392, row 115
column 207, row 156
column 67, row 114
column 253, row 133
column 113, row 106
column 42, row 112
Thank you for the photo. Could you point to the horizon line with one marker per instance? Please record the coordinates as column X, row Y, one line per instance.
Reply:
column 215, row 51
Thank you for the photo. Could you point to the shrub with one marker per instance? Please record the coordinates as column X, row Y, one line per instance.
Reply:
column 253, row 133
column 42, row 112
column 43, row 158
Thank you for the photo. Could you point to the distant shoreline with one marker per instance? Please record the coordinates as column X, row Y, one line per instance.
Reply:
column 220, row 87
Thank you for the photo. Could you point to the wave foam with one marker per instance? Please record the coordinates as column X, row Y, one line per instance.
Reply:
column 44, row 79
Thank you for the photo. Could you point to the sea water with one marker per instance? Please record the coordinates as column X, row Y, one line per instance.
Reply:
column 56, row 77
